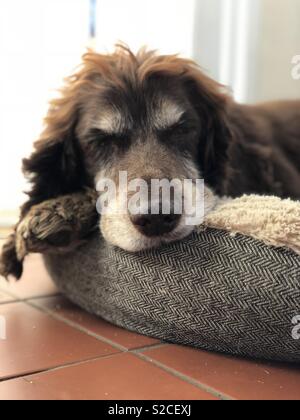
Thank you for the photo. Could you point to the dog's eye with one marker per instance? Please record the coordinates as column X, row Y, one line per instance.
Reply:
column 178, row 130
column 181, row 129
column 102, row 137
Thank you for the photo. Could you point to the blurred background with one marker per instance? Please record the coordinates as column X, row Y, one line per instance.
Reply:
column 253, row 46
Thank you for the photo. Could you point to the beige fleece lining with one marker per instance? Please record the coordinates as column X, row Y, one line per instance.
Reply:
column 269, row 219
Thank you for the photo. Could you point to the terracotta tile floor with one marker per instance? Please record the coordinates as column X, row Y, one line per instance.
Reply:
column 54, row 350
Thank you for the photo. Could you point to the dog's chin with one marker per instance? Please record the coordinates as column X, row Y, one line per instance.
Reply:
column 118, row 230
column 124, row 235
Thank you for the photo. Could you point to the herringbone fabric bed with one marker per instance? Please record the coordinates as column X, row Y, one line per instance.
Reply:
column 213, row 291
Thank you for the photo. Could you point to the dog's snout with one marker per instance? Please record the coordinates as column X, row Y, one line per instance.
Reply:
column 155, row 224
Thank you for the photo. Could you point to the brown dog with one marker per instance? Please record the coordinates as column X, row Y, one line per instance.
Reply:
column 160, row 117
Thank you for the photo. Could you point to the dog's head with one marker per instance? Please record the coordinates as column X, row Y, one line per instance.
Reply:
column 153, row 117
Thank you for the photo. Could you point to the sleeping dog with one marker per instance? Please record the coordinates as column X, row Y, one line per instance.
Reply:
column 159, row 117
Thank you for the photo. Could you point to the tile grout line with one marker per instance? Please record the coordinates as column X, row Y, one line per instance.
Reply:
column 99, row 337
column 59, row 367
column 30, row 302
column 9, row 293
column 26, row 299
column 18, row 299
column 26, row 377
column 77, row 327
column 12, row 300
column 150, row 347
column 137, row 352
column 183, row 377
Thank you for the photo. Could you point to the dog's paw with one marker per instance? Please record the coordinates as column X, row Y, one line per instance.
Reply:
column 44, row 227
column 56, row 225
column 9, row 262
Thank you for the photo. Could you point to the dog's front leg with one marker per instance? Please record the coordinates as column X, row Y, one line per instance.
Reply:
column 54, row 226
column 9, row 262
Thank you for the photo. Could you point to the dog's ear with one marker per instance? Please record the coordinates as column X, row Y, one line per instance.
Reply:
column 211, row 102
column 55, row 168
column 216, row 135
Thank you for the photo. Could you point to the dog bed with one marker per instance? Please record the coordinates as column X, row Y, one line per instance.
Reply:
column 233, row 286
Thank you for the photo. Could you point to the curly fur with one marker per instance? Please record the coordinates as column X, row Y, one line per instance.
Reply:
column 239, row 149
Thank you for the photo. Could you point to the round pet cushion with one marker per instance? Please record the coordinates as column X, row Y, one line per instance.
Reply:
column 213, row 291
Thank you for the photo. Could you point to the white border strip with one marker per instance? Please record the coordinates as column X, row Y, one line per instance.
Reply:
column 242, row 50
column 226, row 40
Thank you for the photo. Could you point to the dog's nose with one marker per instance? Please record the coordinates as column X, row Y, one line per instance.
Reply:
column 155, row 224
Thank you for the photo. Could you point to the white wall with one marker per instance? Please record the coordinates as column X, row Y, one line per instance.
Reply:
column 249, row 45
column 166, row 25
column 279, row 41
column 40, row 42
column 225, row 41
